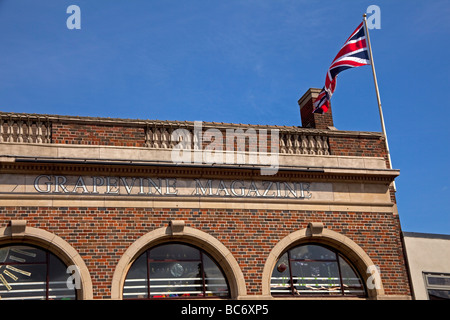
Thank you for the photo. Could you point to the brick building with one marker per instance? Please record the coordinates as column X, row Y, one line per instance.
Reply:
column 97, row 208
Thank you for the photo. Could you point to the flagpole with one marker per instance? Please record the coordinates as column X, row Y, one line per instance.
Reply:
column 383, row 128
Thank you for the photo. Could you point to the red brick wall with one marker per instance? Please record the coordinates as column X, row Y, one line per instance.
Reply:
column 91, row 134
column 102, row 235
column 358, row 147
column 310, row 119
column 315, row 120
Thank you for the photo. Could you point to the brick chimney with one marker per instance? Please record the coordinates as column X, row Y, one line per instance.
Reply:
column 313, row 120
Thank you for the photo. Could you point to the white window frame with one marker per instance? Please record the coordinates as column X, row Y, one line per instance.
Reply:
column 427, row 275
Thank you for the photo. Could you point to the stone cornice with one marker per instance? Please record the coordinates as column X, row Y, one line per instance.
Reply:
column 197, row 171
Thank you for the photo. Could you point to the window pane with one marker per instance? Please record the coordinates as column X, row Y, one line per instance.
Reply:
column 175, row 279
column 280, row 281
column 314, row 270
column 58, row 277
column 439, row 294
column 136, row 284
column 312, row 252
column 175, row 271
column 352, row 283
column 215, row 283
column 315, row 278
column 23, row 274
column 438, row 281
column 174, row 252
column 24, row 281
column 22, row 254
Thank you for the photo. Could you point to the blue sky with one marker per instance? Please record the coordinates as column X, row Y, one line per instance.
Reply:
column 243, row 61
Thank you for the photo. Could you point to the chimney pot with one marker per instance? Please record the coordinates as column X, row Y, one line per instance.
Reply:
column 313, row 120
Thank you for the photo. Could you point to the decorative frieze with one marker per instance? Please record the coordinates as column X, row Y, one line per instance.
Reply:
column 24, row 129
column 295, row 143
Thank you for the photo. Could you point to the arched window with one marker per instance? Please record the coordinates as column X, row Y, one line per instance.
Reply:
column 28, row 272
column 315, row 270
column 174, row 270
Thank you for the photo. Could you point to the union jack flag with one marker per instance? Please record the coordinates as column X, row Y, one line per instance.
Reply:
column 354, row 53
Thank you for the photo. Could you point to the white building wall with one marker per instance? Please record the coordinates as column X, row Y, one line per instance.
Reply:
column 426, row 253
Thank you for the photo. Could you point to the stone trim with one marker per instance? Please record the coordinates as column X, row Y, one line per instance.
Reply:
column 18, row 226
column 315, row 228
column 193, row 203
column 177, row 227
column 168, row 170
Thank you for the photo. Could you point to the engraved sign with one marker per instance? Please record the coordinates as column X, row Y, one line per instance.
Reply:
column 144, row 186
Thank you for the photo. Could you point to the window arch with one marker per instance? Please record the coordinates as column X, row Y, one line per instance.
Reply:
column 29, row 272
column 175, row 270
column 314, row 269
